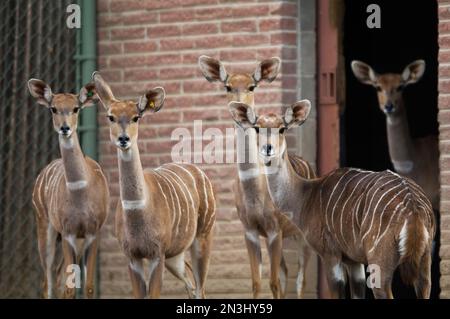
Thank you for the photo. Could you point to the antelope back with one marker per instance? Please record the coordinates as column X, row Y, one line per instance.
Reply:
column 362, row 208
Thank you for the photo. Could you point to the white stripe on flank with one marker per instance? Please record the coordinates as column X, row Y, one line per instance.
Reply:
column 73, row 186
column 403, row 237
column 331, row 196
column 376, row 206
column 248, row 174
column 178, row 214
column 133, row 204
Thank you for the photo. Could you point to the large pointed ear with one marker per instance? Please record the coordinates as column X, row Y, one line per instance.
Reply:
column 103, row 90
column 242, row 114
column 413, row 72
column 267, row 70
column 297, row 113
column 88, row 95
column 152, row 100
column 364, row 73
column 212, row 69
column 41, row 91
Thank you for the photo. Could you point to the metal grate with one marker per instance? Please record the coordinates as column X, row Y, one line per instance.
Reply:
column 34, row 42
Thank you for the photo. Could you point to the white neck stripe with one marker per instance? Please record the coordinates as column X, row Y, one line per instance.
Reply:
column 403, row 167
column 133, row 204
column 76, row 185
column 248, row 174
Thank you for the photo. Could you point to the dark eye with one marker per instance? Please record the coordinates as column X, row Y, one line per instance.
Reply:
column 228, row 88
column 135, row 119
column 111, row 118
column 378, row 88
column 54, row 110
column 251, row 88
column 75, row 110
column 257, row 129
column 282, row 130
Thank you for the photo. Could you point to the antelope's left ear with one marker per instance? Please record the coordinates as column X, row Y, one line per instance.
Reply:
column 413, row 72
column 297, row 113
column 88, row 95
column 242, row 114
column 152, row 100
column 41, row 91
column 267, row 70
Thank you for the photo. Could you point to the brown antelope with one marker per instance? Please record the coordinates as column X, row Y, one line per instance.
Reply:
column 71, row 196
column 350, row 217
column 417, row 159
column 162, row 212
column 255, row 209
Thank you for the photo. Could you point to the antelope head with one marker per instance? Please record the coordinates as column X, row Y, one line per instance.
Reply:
column 389, row 86
column 239, row 86
column 124, row 115
column 271, row 128
column 63, row 106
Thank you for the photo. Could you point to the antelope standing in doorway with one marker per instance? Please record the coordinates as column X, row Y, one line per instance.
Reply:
column 255, row 209
column 162, row 212
column 70, row 196
column 417, row 159
column 350, row 217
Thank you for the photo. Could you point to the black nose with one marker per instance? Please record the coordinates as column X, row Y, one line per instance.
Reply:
column 123, row 139
column 65, row 129
column 267, row 149
column 389, row 107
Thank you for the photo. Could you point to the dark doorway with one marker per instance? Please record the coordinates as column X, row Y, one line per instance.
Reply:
column 407, row 33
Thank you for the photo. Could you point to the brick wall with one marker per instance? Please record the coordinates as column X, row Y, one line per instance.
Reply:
column 444, row 126
column 150, row 43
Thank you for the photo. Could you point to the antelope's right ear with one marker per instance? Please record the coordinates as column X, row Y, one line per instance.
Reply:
column 104, row 92
column 297, row 114
column 212, row 69
column 267, row 70
column 41, row 91
column 364, row 73
column 242, row 114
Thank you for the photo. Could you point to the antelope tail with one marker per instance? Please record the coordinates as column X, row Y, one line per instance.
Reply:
column 413, row 241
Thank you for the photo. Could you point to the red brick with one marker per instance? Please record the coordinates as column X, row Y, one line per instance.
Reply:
column 110, row 48
column 177, row 16
column 251, row 11
column 284, row 38
column 128, row 33
column 141, row 46
column 140, row 75
column 277, row 24
column 176, row 44
column 195, row 86
column 177, row 73
column 125, row 5
column 284, row 9
column 162, row 31
column 213, row 42
column 238, row 55
column 202, row 28
column 238, row 26
column 250, row 39
column 213, row 13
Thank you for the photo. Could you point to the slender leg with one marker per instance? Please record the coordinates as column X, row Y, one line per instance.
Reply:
column 254, row 252
column 357, row 279
column 283, row 276
column 304, row 252
column 136, row 271
column 177, row 266
column 47, row 249
column 156, row 274
column 70, row 257
column 275, row 249
column 90, row 257
column 335, row 274
column 382, row 284
column 200, row 253
column 423, row 283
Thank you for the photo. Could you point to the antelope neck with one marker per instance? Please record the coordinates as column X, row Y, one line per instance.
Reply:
column 131, row 178
column 399, row 141
column 75, row 168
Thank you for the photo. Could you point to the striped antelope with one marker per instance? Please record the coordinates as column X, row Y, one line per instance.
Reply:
column 417, row 159
column 255, row 209
column 350, row 217
column 71, row 196
column 162, row 212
